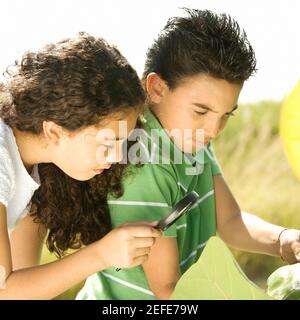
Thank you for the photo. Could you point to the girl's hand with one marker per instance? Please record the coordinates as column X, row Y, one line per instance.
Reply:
column 129, row 245
column 289, row 245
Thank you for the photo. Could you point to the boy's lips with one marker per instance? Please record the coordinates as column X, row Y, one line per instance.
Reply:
column 202, row 143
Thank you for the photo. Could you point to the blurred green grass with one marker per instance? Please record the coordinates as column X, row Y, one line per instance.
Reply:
column 257, row 171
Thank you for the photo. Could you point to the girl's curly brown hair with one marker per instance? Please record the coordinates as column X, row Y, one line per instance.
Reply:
column 75, row 83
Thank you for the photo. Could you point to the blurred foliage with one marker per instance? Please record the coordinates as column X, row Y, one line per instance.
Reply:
column 257, row 171
column 216, row 276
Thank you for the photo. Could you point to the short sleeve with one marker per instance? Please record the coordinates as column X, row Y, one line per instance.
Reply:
column 6, row 176
column 215, row 166
column 149, row 195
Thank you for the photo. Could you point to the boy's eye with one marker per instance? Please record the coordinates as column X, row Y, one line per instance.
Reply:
column 230, row 114
column 201, row 113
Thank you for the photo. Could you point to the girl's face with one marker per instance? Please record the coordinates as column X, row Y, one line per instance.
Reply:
column 88, row 152
column 199, row 102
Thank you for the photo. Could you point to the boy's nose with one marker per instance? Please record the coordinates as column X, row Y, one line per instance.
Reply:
column 212, row 131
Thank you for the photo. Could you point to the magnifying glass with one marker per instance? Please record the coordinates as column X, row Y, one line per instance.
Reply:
column 182, row 207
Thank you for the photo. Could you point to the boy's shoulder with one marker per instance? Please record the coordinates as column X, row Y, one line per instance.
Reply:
column 150, row 175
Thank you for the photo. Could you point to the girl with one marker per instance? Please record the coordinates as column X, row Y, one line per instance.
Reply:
column 51, row 111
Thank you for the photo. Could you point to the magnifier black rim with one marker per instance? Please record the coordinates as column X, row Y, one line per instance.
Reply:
column 186, row 202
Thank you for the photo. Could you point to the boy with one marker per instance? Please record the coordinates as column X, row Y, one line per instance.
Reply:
column 193, row 76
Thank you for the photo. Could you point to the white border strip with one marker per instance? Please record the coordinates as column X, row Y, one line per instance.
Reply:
column 182, row 186
column 210, row 193
column 201, row 245
column 128, row 284
column 181, row 226
column 138, row 203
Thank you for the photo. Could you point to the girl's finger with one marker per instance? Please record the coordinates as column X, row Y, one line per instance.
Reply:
column 142, row 251
column 140, row 260
column 143, row 242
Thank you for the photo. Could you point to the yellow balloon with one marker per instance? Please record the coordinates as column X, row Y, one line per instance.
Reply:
column 290, row 128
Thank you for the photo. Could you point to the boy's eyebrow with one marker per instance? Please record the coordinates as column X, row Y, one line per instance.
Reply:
column 234, row 108
column 203, row 106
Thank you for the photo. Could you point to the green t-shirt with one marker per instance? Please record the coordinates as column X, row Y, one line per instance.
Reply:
column 149, row 194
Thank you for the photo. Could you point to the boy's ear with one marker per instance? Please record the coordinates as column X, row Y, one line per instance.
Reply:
column 53, row 133
column 156, row 87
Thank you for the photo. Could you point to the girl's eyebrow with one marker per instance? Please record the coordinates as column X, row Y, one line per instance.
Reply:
column 116, row 139
column 107, row 138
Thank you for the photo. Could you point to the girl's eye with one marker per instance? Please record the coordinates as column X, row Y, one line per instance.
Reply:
column 108, row 146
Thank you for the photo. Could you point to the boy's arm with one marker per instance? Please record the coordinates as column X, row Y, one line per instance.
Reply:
column 247, row 232
column 149, row 195
column 162, row 268
column 241, row 230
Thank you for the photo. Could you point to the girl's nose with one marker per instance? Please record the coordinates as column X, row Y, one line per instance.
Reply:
column 115, row 156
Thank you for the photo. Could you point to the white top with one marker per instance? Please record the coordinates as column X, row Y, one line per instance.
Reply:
column 17, row 186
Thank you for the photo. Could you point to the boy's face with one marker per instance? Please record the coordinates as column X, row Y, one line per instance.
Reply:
column 199, row 102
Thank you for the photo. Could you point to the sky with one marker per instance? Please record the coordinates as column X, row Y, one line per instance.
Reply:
column 272, row 27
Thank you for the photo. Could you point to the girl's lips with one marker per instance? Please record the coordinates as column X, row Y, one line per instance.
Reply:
column 98, row 171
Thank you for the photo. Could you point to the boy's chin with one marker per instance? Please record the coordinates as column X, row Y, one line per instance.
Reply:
column 192, row 148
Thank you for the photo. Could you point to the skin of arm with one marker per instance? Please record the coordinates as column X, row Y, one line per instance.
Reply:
column 162, row 268
column 36, row 282
column 24, row 279
column 26, row 242
column 240, row 229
